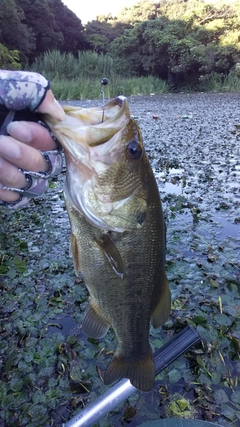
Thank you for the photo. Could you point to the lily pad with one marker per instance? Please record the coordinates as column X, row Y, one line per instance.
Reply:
column 221, row 396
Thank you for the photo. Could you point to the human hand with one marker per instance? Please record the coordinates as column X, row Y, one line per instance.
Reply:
column 24, row 170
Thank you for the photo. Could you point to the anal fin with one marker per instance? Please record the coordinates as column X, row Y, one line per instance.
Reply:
column 163, row 308
column 94, row 325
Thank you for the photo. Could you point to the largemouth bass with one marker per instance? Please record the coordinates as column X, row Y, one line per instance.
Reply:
column 117, row 233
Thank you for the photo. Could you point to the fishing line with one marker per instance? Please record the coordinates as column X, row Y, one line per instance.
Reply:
column 104, row 82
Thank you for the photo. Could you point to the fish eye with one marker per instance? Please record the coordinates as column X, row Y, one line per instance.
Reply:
column 134, row 150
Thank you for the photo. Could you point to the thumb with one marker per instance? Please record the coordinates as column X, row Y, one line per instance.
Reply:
column 51, row 106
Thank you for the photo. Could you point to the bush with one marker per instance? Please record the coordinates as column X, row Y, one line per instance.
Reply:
column 9, row 59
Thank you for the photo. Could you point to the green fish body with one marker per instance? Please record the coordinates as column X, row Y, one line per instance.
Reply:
column 118, row 233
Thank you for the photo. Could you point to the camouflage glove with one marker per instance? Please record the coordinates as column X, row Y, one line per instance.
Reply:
column 20, row 90
column 21, row 94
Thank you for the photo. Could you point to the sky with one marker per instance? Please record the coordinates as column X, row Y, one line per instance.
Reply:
column 88, row 10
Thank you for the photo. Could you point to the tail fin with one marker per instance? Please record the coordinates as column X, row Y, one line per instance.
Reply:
column 141, row 372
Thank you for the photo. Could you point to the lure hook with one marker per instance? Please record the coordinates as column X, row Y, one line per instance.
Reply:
column 104, row 82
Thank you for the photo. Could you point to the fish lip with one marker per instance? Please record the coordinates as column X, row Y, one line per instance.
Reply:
column 122, row 99
column 88, row 150
column 113, row 124
column 80, row 151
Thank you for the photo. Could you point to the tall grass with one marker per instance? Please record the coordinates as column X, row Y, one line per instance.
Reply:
column 56, row 65
column 81, row 88
column 80, row 78
column 91, row 88
column 138, row 85
column 231, row 82
column 216, row 82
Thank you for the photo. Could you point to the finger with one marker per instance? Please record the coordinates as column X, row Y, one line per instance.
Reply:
column 22, row 155
column 8, row 196
column 10, row 176
column 33, row 134
column 51, row 106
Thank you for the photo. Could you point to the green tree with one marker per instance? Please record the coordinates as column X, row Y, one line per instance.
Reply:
column 102, row 31
column 205, row 40
column 54, row 26
column 144, row 10
column 127, row 52
column 14, row 34
column 70, row 26
column 9, row 59
column 40, row 19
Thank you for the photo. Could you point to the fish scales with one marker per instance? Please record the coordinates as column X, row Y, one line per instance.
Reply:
column 118, row 238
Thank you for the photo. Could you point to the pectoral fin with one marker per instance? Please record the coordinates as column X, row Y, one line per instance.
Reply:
column 74, row 253
column 94, row 325
column 162, row 310
column 112, row 255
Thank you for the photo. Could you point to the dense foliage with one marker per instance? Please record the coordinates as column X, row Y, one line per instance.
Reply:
column 39, row 25
column 185, row 40
column 9, row 58
column 175, row 40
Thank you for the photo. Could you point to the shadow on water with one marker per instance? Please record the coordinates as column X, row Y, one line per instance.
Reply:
column 171, row 184
column 227, row 228
column 66, row 324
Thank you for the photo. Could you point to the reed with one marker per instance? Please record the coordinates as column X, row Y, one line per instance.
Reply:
column 80, row 78
column 87, row 88
column 216, row 82
column 56, row 65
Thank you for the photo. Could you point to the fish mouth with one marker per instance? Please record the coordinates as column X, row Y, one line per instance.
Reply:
column 91, row 135
column 91, row 139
